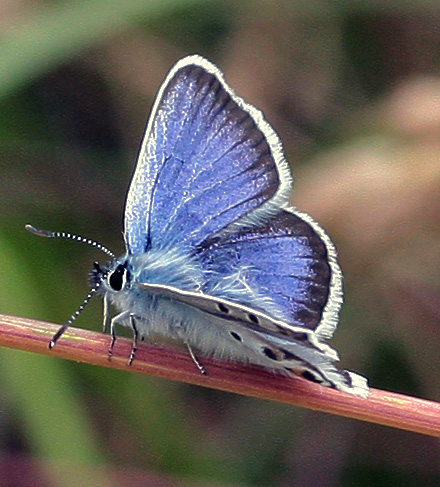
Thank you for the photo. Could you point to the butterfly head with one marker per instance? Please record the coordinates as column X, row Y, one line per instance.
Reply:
column 112, row 277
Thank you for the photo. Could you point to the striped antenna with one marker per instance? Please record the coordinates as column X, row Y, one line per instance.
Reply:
column 69, row 236
column 74, row 316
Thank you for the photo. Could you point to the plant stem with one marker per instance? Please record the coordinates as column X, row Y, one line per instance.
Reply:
column 381, row 407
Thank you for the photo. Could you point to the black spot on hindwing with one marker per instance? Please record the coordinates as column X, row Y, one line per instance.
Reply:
column 236, row 336
column 269, row 353
column 253, row 318
column 223, row 308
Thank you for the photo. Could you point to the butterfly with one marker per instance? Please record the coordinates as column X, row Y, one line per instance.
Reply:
column 216, row 257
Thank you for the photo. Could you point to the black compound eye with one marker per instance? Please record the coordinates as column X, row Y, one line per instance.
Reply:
column 117, row 278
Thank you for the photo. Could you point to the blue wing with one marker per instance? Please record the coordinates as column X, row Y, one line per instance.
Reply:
column 286, row 267
column 207, row 160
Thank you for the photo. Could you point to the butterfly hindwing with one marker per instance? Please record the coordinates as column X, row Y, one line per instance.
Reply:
column 286, row 267
column 248, row 335
column 207, row 160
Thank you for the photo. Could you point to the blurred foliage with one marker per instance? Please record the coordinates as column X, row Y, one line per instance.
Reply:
column 353, row 89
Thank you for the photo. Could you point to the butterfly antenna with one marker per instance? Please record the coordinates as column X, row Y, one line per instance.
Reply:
column 74, row 316
column 70, row 236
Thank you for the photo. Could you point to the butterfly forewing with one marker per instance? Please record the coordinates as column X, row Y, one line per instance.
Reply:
column 205, row 162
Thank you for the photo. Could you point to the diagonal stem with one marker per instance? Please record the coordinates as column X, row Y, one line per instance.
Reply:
column 381, row 407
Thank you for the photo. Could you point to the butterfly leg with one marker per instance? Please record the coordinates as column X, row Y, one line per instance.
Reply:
column 105, row 314
column 195, row 360
column 112, row 343
column 135, row 340
column 114, row 320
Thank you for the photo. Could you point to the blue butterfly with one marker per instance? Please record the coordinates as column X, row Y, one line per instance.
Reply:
column 216, row 257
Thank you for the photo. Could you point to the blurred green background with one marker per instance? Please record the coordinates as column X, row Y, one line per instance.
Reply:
column 353, row 89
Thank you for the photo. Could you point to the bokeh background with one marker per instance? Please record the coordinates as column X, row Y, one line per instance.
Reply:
column 353, row 89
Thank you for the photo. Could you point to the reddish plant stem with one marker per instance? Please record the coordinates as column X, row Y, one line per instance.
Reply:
column 381, row 407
